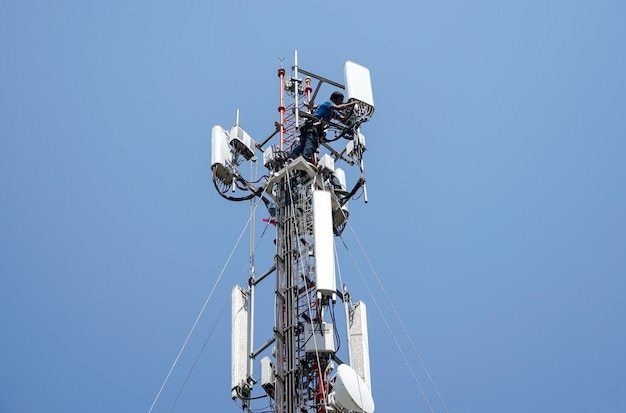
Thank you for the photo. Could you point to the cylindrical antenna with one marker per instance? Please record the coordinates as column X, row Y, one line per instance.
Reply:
column 295, row 87
column 281, row 107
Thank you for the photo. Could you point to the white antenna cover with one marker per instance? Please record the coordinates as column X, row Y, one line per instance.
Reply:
column 358, row 342
column 359, row 87
column 326, row 164
column 239, row 341
column 221, row 155
column 324, row 244
column 351, row 392
column 341, row 176
column 220, row 151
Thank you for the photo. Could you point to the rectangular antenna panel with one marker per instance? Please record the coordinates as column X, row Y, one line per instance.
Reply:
column 341, row 177
column 221, row 155
column 358, row 342
column 220, row 152
column 267, row 376
column 359, row 87
column 324, row 244
column 239, row 340
column 326, row 163
column 242, row 143
column 323, row 341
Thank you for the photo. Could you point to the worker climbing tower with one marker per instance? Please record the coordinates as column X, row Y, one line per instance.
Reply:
column 307, row 201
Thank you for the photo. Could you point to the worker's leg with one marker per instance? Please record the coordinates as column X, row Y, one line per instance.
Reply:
column 305, row 131
column 297, row 150
column 310, row 146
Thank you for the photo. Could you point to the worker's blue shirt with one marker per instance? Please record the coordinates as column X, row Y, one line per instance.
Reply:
column 323, row 110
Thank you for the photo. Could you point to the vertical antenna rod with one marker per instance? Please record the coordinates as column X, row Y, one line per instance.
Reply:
column 296, row 88
column 281, row 107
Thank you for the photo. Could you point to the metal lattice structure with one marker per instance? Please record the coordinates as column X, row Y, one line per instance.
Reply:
column 308, row 209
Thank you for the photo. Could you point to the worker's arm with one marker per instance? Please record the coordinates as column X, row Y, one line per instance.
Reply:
column 335, row 111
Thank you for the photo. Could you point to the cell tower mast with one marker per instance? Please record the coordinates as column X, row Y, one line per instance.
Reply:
column 307, row 200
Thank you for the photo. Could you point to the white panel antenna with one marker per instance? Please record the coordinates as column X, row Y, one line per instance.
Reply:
column 221, row 155
column 358, row 342
column 324, row 244
column 326, row 164
column 359, row 88
column 239, row 342
column 267, row 376
column 341, row 176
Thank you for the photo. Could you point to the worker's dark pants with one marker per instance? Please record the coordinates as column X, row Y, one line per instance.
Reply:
column 308, row 143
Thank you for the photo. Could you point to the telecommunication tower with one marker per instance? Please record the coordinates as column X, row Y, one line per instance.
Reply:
column 307, row 200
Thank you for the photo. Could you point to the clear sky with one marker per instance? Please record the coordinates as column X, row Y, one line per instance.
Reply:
column 496, row 182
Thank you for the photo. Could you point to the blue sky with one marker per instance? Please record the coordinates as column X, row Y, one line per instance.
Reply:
column 496, row 185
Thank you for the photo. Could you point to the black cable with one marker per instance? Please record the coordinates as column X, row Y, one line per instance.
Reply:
column 232, row 198
column 336, row 330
